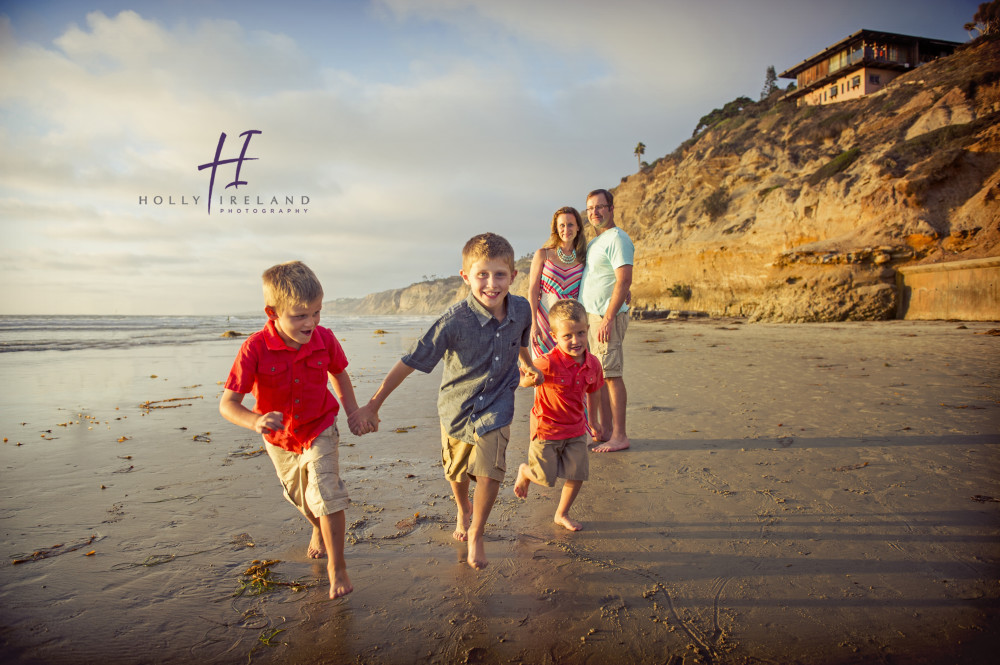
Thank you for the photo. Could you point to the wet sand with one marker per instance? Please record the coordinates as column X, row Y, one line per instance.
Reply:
column 794, row 494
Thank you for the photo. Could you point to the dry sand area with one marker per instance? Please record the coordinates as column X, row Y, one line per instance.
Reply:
column 815, row 494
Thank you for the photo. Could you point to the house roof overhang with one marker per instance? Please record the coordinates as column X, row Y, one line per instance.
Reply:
column 793, row 72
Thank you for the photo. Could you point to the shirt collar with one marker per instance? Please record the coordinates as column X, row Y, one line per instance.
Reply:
column 275, row 343
column 567, row 360
column 482, row 314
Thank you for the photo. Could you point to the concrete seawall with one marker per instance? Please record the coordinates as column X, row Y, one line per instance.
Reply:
column 963, row 290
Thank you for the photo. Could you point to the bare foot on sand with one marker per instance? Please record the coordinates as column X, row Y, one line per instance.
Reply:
column 522, row 483
column 316, row 549
column 477, row 553
column 340, row 583
column 566, row 521
column 611, row 446
column 462, row 523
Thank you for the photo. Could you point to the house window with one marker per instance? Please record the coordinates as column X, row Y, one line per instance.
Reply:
column 875, row 79
column 856, row 81
column 833, row 91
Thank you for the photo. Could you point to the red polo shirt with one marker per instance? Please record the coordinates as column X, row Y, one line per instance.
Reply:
column 292, row 381
column 558, row 411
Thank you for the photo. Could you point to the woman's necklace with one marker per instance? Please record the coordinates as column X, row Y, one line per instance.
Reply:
column 566, row 258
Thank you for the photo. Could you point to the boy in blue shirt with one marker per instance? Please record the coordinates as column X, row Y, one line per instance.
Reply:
column 480, row 340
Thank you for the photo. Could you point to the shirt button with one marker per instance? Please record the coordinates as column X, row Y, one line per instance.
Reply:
column 497, row 358
column 296, row 401
column 296, row 416
column 480, row 397
column 296, row 380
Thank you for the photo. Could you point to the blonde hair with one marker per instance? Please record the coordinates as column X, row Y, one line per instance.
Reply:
column 567, row 309
column 579, row 242
column 487, row 246
column 289, row 284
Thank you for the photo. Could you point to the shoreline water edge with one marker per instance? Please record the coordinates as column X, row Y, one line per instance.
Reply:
column 812, row 493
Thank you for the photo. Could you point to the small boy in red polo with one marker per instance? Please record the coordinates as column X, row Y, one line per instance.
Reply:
column 558, row 422
column 287, row 366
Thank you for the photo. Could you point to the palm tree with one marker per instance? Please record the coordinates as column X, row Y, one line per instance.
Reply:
column 640, row 150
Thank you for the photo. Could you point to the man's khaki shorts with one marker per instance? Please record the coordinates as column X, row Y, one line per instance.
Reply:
column 610, row 352
column 566, row 458
column 311, row 479
column 488, row 458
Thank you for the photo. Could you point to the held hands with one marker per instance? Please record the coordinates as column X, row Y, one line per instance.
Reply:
column 269, row 422
column 363, row 421
column 530, row 376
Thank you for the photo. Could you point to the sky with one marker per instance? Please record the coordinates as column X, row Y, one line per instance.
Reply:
column 384, row 133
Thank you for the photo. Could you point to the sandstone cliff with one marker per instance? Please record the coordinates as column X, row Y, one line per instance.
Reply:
column 785, row 213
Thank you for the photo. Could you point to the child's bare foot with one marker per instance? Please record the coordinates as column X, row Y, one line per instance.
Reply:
column 462, row 524
column 316, row 549
column 477, row 553
column 566, row 521
column 340, row 583
column 522, row 483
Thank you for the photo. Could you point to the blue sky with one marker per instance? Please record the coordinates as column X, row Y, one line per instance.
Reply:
column 408, row 125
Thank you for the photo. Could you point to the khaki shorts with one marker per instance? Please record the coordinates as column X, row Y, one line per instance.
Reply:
column 487, row 458
column 567, row 459
column 311, row 479
column 609, row 353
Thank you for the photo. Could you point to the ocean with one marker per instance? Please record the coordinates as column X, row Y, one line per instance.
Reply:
column 55, row 364
column 76, row 333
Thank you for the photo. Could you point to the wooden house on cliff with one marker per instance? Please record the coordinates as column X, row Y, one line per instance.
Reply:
column 860, row 65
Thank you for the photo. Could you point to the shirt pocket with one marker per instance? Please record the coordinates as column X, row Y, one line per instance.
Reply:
column 273, row 374
column 317, row 366
column 563, row 381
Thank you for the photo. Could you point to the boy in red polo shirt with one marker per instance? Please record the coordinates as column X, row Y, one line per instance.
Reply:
column 287, row 366
column 558, row 425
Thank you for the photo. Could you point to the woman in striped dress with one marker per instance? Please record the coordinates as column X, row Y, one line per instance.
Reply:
column 555, row 274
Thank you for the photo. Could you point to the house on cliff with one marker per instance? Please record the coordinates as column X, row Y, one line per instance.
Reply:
column 860, row 65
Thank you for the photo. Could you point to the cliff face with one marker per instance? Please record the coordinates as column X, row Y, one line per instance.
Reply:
column 431, row 297
column 803, row 214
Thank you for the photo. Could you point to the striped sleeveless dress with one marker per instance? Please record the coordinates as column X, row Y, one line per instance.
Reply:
column 556, row 283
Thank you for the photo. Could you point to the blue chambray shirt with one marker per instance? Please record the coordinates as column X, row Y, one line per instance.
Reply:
column 480, row 364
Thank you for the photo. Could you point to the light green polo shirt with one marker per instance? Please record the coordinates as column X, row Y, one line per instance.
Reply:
column 605, row 254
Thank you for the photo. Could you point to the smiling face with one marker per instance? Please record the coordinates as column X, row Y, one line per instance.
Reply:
column 296, row 324
column 489, row 280
column 567, row 228
column 571, row 337
column 600, row 214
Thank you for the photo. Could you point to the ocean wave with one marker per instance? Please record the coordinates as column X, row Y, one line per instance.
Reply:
column 75, row 333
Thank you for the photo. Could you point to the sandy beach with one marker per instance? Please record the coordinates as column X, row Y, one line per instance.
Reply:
column 815, row 494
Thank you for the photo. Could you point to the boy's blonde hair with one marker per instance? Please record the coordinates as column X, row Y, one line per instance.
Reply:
column 579, row 243
column 487, row 246
column 567, row 309
column 289, row 284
